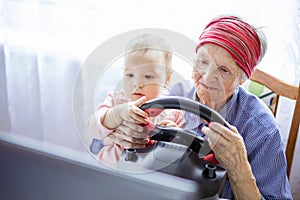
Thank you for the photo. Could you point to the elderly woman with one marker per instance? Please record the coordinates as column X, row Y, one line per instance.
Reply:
column 251, row 150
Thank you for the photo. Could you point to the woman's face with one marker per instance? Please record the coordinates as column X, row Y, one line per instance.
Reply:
column 216, row 75
column 145, row 74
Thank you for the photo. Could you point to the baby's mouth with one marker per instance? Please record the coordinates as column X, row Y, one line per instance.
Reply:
column 137, row 94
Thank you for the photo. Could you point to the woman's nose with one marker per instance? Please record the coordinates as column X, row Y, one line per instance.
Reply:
column 209, row 75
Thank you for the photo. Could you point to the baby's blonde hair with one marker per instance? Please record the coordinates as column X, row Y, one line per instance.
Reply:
column 146, row 42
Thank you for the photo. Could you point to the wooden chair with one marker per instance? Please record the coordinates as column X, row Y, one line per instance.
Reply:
column 283, row 89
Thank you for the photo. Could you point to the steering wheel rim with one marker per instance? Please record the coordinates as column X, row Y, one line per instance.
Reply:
column 155, row 106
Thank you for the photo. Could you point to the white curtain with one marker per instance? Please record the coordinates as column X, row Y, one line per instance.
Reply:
column 43, row 44
column 38, row 69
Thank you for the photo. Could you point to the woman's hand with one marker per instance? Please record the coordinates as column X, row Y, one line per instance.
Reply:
column 227, row 144
column 229, row 149
column 128, row 135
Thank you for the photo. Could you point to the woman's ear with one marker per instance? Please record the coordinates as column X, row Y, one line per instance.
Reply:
column 243, row 78
column 241, row 81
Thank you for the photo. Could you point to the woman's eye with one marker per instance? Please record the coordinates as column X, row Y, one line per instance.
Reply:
column 201, row 63
column 149, row 76
column 129, row 75
column 224, row 70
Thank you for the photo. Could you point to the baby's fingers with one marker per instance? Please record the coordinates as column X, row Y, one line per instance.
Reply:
column 140, row 101
column 137, row 115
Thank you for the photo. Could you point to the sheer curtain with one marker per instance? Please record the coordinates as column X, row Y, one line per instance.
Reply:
column 43, row 44
column 38, row 71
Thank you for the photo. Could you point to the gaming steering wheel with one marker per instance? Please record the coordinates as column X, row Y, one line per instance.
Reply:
column 176, row 151
column 177, row 135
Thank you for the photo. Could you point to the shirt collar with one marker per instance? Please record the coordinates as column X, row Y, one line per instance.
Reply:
column 229, row 106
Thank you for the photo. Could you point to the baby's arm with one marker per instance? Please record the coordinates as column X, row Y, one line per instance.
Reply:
column 111, row 113
column 95, row 127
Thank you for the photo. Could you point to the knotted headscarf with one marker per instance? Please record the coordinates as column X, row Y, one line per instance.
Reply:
column 237, row 37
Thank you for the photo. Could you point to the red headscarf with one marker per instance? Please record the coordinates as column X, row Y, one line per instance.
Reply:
column 237, row 37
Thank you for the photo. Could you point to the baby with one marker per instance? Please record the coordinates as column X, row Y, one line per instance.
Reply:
column 146, row 74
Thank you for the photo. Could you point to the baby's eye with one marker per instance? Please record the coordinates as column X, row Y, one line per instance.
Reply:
column 129, row 75
column 149, row 76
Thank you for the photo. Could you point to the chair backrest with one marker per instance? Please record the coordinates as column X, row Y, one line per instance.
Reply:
column 283, row 89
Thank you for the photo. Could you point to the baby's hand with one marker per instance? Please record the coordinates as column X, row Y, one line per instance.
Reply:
column 131, row 112
column 168, row 123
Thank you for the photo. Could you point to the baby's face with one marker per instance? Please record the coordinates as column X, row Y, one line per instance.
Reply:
column 145, row 74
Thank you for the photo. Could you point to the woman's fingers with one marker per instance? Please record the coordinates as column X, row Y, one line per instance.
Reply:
column 220, row 138
column 222, row 130
column 227, row 144
column 212, row 136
